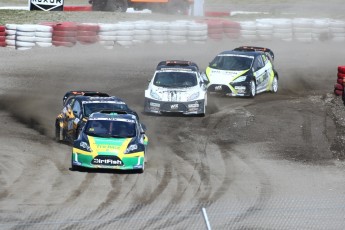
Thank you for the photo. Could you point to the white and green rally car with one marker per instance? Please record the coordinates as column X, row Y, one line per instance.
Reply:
column 244, row 71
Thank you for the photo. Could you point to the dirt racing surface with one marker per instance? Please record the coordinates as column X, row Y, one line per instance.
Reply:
column 272, row 162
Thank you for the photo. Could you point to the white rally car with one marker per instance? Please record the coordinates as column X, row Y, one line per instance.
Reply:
column 177, row 87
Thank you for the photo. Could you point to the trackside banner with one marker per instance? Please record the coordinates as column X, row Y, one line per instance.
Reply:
column 46, row 5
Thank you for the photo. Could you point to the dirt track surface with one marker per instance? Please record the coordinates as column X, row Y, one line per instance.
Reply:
column 272, row 162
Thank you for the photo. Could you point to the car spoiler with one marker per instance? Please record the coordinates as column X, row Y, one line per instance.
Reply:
column 83, row 93
column 177, row 63
column 256, row 48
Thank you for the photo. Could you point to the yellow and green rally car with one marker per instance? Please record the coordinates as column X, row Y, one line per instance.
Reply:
column 111, row 140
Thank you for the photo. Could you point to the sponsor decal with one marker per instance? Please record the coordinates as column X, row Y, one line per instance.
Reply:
column 218, row 88
column 137, row 167
column 154, row 104
column 196, row 105
column 174, row 106
column 46, row 5
column 107, row 161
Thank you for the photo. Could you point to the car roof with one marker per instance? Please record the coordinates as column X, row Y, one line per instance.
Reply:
column 246, row 53
column 99, row 99
column 74, row 93
column 112, row 115
column 250, row 51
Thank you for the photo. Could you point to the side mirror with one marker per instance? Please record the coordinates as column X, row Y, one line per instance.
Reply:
column 143, row 127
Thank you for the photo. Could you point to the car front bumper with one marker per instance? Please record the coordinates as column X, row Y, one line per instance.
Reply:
column 160, row 107
column 232, row 89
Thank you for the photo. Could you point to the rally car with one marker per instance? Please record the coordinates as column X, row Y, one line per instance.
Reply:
column 111, row 140
column 244, row 71
column 177, row 87
column 77, row 108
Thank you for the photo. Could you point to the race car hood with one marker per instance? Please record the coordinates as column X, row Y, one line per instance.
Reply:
column 216, row 76
column 176, row 94
column 106, row 146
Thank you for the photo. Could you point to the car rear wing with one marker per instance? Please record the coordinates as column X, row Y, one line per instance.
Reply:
column 83, row 93
column 178, row 64
column 256, row 48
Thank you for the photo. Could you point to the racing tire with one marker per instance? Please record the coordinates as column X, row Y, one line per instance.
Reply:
column 58, row 134
column 252, row 92
column 341, row 69
column 274, row 87
column 98, row 5
column 74, row 167
column 338, row 92
column 140, row 171
column 116, row 6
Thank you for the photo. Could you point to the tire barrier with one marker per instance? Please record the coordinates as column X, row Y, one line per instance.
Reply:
column 215, row 29
column 43, row 35
column 340, row 84
column 337, row 30
column 129, row 33
column 11, row 30
column 87, row 33
column 2, row 36
column 64, row 34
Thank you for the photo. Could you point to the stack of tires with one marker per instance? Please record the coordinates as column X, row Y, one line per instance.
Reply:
column 65, row 34
column 248, row 30
column 142, row 32
column 124, row 34
column 43, row 35
column 283, row 29
column 337, row 30
column 159, row 32
column 25, row 37
column 339, row 86
column 231, row 30
column 320, row 30
column 87, row 33
column 2, row 36
column 303, row 28
column 11, row 30
column 177, row 32
column 197, row 32
column 107, row 35
column 215, row 29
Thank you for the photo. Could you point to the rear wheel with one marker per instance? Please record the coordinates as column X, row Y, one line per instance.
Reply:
column 177, row 7
column 98, row 5
column 58, row 133
column 116, row 6
column 252, row 89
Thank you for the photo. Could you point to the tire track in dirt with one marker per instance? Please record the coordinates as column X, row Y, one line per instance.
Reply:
column 116, row 185
column 265, row 190
column 143, row 200
column 204, row 171
column 81, row 188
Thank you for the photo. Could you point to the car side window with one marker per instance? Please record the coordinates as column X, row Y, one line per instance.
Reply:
column 69, row 102
column 258, row 63
column 77, row 108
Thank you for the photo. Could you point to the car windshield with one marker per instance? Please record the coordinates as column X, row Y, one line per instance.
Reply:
column 110, row 128
column 232, row 62
column 96, row 107
column 175, row 79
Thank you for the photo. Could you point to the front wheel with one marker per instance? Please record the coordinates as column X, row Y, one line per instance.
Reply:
column 274, row 87
column 252, row 92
